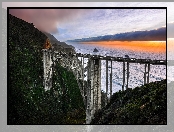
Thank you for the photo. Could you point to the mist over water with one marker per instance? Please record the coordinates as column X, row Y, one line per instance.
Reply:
column 157, row 72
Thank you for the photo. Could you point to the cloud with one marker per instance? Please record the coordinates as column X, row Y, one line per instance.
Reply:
column 48, row 19
column 80, row 23
column 113, row 21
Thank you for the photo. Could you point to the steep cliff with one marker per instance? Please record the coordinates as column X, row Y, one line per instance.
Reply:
column 28, row 102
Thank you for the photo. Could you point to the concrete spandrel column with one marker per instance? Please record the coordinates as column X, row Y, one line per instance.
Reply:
column 92, row 108
column 90, row 99
column 44, row 65
column 123, row 76
column 145, row 74
column 95, row 84
column 127, row 76
column 47, row 62
column 83, row 73
column 88, row 93
column 111, row 81
column 47, row 68
column 99, row 85
column 50, row 69
column 95, row 103
column 106, row 98
column 148, row 73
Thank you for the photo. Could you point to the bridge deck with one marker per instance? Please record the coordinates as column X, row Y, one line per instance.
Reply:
column 121, row 59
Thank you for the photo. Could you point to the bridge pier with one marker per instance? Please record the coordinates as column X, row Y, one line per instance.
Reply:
column 88, row 94
column 47, row 64
column 127, row 79
column 106, row 98
column 146, row 73
column 108, row 90
column 83, row 75
column 111, row 81
column 127, row 75
column 94, row 88
column 123, row 76
column 92, row 107
column 97, row 84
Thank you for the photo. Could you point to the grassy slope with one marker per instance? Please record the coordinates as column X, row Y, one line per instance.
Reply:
column 142, row 105
column 28, row 103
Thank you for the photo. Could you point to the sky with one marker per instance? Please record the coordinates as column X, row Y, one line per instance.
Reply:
column 100, row 22
column 68, row 24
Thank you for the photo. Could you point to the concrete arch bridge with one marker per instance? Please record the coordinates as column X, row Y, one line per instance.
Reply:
column 89, row 67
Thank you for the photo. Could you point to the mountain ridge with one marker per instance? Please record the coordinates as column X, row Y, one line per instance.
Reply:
column 151, row 35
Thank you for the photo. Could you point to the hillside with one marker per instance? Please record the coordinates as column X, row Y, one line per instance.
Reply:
column 27, row 101
column 142, row 105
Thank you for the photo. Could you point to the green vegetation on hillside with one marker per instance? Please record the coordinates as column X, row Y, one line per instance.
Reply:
column 28, row 103
column 142, row 105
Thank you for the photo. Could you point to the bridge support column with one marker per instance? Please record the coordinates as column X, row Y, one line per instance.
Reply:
column 111, row 81
column 47, row 64
column 83, row 89
column 106, row 97
column 97, row 84
column 127, row 75
column 88, row 94
column 148, row 73
column 93, row 89
column 123, row 76
column 92, row 106
column 145, row 73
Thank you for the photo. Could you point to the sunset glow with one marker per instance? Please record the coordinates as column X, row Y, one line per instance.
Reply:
column 137, row 46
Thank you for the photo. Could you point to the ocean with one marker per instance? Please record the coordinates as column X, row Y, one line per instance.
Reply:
column 154, row 51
